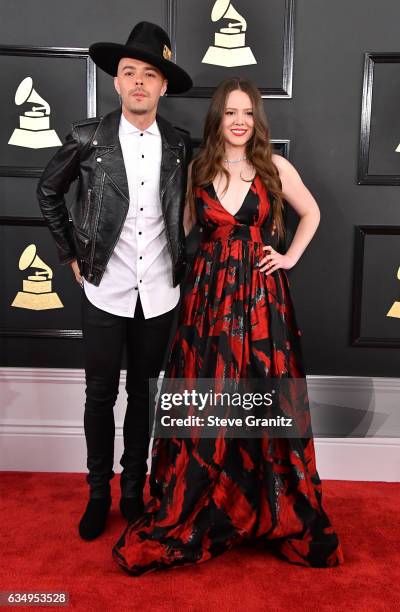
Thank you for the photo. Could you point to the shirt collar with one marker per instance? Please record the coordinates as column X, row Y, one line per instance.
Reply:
column 128, row 128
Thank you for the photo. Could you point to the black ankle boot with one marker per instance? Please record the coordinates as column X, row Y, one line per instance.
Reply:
column 131, row 508
column 93, row 521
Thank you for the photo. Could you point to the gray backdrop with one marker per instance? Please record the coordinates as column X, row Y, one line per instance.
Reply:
column 322, row 121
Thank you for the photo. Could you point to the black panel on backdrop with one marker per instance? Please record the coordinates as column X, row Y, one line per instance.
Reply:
column 376, row 296
column 379, row 156
column 215, row 39
column 45, row 294
column 18, row 197
column 43, row 91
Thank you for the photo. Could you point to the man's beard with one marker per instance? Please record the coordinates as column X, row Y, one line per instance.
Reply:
column 139, row 111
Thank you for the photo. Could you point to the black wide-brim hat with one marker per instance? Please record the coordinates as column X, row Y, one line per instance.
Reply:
column 149, row 43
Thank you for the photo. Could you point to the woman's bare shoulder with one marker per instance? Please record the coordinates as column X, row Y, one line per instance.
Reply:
column 282, row 164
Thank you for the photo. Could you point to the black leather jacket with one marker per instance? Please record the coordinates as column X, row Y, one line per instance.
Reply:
column 92, row 154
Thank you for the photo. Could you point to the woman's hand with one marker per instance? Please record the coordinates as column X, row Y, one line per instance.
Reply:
column 75, row 270
column 274, row 260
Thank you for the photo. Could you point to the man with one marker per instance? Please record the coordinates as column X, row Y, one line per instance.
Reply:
column 126, row 247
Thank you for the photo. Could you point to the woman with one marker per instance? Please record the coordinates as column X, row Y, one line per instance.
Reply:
column 236, row 321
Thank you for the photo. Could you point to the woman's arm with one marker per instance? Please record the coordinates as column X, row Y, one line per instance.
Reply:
column 188, row 222
column 300, row 198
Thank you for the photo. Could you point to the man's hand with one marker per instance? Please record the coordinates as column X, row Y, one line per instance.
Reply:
column 75, row 270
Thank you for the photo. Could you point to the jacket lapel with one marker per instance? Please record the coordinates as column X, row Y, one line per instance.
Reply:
column 171, row 156
column 108, row 150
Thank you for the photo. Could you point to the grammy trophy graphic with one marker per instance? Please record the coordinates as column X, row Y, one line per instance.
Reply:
column 37, row 293
column 229, row 47
column 34, row 125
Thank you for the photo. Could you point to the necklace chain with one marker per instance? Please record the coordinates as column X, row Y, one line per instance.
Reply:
column 235, row 161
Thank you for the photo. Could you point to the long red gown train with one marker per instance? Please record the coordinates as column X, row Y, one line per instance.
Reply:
column 209, row 494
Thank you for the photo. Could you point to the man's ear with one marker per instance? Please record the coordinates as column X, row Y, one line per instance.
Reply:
column 164, row 87
column 116, row 85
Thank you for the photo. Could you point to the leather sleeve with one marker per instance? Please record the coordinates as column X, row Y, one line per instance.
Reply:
column 55, row 181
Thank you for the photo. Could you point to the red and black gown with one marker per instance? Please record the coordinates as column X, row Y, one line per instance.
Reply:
column 210, row 494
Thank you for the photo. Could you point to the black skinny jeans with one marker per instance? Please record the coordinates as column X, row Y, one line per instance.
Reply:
column 146, row 341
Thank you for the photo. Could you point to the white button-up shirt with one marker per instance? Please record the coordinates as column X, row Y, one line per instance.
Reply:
column 140, row 263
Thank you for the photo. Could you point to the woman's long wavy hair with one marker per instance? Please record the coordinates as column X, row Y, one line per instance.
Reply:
column 209, row 160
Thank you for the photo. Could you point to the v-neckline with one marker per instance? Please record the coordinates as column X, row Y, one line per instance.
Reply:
column 242, row 204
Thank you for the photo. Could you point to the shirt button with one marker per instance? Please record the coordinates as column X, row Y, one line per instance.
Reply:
column 178, row 161
column 98, row 159
column 142, row 183
column 141, row 209
column 141, row 257
column 140, row 232
column 135, row 288
column 95, row 142
column 140, row 281
column 141, row 134
column 142, row 156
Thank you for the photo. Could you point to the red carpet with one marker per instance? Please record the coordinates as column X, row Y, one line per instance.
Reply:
column 41, row 551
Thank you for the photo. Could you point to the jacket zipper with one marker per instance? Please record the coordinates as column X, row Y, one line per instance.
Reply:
column 84, row 239
column 90, row 273
column 87, row 212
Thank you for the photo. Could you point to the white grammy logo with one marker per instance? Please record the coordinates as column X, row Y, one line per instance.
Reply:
column 34, row 126
column 229, row 43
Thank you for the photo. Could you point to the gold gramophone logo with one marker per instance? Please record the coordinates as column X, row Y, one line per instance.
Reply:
column 34, row 125
column 395, row 308
column 37, row 293
column 229, row 47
